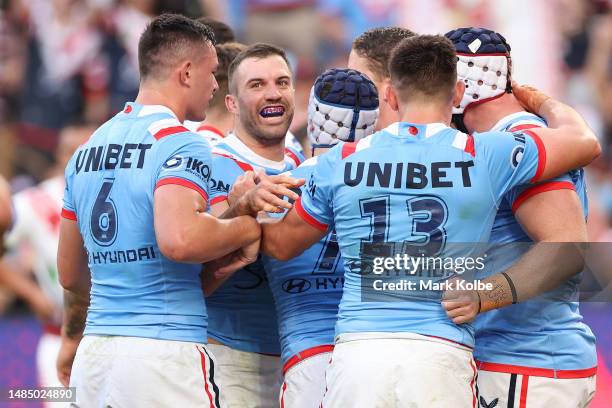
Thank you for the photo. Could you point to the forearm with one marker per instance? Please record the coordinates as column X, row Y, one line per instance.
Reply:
column 569, row 143
column 558, row 114
column 213, row 238
column 546, row 266
column 585, row 145
column 75, row 315
column 270, row 237
column 236, row 209
column 211, row 280
column 275, row 242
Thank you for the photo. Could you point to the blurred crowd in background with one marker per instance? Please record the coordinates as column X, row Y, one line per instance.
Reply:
column 74, row 62
column 66, row 66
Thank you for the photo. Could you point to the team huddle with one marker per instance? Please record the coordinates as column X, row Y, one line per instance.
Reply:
column 210, row 264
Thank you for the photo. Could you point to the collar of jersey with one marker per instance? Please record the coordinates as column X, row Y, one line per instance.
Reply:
column 145, row 110
column 403, row 129
column 503, row 122
column 232, row 141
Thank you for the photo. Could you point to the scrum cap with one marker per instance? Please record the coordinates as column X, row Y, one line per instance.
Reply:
column 483, row 63
column 343, row 106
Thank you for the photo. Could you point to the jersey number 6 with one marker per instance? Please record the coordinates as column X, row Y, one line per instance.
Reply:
column 103, row 223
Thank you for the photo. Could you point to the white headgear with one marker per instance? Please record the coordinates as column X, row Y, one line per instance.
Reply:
column 482, row 64
column 485, row 78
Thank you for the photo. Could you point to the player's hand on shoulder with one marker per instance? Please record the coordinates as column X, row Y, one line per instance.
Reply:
column 462, row 306
column 531, row 98
column 268, row 193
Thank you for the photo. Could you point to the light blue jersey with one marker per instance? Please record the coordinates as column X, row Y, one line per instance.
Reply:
column 241, row 312
column 110, row 181
column 546, row 332
column 426, row 186
column 307, row 290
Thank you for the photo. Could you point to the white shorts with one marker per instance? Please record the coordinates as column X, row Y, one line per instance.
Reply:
column 46, row 363
column 248, row 380
column 394, row 370
column 304, row 384
column 139, row 372
column 497, row 389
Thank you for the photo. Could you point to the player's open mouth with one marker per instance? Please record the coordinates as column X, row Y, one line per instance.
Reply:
column 272, row 111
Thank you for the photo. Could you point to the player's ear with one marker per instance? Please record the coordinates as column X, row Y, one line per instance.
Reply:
column 391, row 98
column 385, row 85
column 231, row 104
column 459, row 91
column 186, row 73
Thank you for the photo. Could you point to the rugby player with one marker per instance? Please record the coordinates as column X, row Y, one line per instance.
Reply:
column 420, row 183
column 538, row 352
column 370, row 53
column 343, row 106
column 243, row 330
column 36, row 224
column 135, row 214
column 219, row 121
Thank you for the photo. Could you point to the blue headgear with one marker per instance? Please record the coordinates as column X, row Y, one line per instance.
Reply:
column 343, row 106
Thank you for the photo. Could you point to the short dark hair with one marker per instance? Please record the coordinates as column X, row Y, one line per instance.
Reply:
column 424, row 65
column 223, row 32
column 226, row 53
column 258, row 50
column 167, row 35
column 376, row 46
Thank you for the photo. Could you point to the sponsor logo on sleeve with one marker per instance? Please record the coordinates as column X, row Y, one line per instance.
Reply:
column 173, row 163
column 517, row 153
column 517, row 156
column 219, row 185
column 191, row 165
